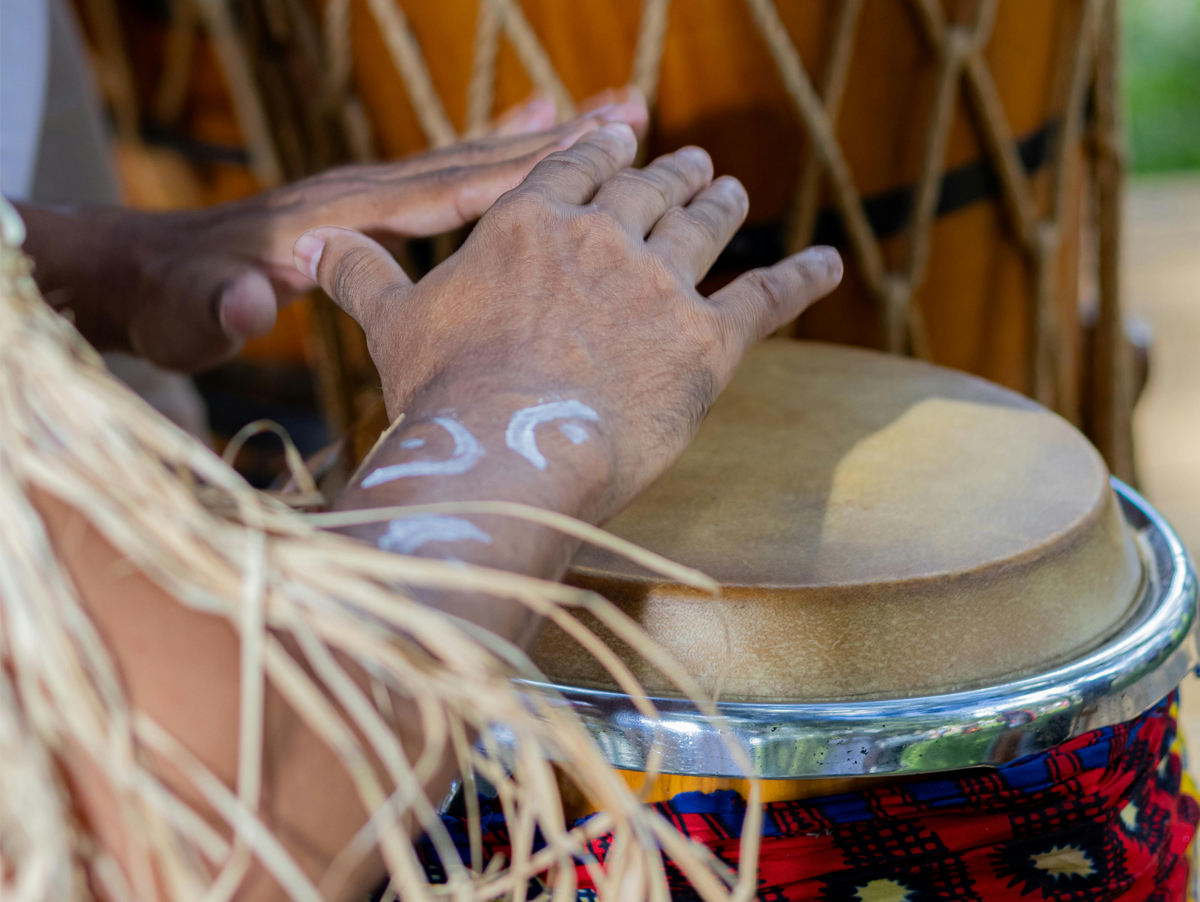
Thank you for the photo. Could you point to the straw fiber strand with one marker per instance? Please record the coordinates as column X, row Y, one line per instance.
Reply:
column 185, row 519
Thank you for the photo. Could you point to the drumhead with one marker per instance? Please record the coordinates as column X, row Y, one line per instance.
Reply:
column 881, row 527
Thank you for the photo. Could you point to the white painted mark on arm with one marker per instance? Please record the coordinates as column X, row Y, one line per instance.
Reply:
column 575, row 433
column 521, row 428
column 413, row 443
column 467, row 453
column 406, row 534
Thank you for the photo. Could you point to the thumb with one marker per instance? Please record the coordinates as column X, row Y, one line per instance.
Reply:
column 208, row 307
column 353, row 269
column 246, row 306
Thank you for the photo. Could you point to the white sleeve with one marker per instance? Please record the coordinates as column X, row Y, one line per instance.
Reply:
column 24, row 59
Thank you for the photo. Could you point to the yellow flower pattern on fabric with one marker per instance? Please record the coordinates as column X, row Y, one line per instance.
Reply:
column 1065, row 861
column 883, row 891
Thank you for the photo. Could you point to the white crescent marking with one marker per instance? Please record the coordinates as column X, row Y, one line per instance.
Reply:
column 467, row 453
column 575, row 433
column 406, row 534
column 520, row 432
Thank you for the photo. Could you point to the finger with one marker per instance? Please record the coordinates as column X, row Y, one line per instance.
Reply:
column 692, row 237
column 496, row 147
column 214, row 306
column 449, row 198
column 353, row 269
column 537, row 114
column 760, row 301
column 573, row 175
column 631, row 101
column 372, row 200
column 640, row 197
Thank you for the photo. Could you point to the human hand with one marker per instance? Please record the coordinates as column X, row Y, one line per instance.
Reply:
column 186, row 290
column 574, row 300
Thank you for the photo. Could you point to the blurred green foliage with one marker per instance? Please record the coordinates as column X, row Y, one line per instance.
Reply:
column 1162, row 83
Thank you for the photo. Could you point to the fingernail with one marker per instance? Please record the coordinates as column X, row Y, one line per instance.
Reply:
column 307, row 254
column 732, row 186
column 619, row 130
column 696, row 157
column 831, row 258
column 622, row 112
column 536, row 109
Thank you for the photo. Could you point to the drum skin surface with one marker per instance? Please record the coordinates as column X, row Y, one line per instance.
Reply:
column 881, row 527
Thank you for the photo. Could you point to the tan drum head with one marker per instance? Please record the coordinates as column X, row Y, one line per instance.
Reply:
column 881, row 527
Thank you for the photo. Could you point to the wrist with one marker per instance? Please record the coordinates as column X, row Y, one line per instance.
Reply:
column 471, row 440
column 88, row 263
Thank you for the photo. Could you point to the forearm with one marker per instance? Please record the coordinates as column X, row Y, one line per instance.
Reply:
column 454, row 445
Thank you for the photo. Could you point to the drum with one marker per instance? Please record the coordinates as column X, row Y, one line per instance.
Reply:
column 939, row 143
column 946, row 642
column 947, row 146
column 920, row 570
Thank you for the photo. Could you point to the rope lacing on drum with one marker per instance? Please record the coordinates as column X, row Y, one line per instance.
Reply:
column 959, row 61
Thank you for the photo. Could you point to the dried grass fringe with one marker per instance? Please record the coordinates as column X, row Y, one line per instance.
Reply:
column 188, row 521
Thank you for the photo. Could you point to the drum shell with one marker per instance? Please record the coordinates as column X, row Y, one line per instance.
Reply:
column 718, row 87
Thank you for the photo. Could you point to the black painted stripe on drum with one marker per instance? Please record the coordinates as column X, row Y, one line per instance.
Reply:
column 193, row 149
column 762, row 244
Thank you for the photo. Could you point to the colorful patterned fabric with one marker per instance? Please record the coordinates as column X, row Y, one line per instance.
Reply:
column 1107, row 816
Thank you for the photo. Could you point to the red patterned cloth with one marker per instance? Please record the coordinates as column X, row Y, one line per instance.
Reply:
column 1106, row 816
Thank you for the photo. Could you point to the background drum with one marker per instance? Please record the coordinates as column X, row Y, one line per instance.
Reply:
column 958, row 151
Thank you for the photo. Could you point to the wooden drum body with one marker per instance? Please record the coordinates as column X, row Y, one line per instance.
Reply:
column 937, row 142
column 955, row 150
column 921, row 571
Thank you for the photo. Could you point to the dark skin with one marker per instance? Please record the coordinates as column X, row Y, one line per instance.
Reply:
column 186, row 290
column 580, row 284
column 577, row 285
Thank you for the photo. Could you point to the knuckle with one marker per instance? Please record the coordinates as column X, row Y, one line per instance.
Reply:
column 587, row 156
column 707, row 217
column 564, row 167
column 521, row 206
column 763, row 303
column 600, row 230
column 663, row 278
column 636, row 181
column 681, row 172
column 604, row 220
column 685, row 229
column 574, row 157
column 665, row 187
column 352, row 275
column 767, row 288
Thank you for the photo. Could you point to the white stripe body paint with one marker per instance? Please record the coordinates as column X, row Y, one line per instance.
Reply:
column 467, row 453
column 575, row 433
column 406, row 534
column 521, row 428
column 413, row 443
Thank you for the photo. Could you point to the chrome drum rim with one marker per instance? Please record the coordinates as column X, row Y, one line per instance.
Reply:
column 1127, row 675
